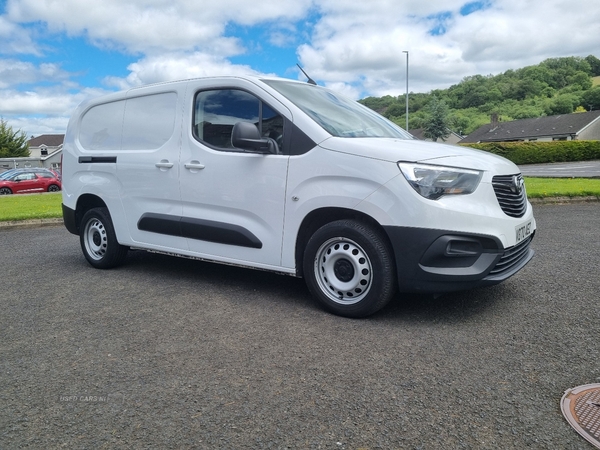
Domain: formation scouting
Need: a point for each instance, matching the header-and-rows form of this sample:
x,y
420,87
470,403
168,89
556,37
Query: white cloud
x,y
177,66
151,26
525,32
354,47
365,40
14,72
15,40
45,110
35,126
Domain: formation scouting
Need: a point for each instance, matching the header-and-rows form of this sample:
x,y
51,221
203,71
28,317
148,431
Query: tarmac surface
x,y
172,353
579,169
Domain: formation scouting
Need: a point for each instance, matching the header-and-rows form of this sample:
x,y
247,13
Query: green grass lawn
x,y
562,187
26,207
47,206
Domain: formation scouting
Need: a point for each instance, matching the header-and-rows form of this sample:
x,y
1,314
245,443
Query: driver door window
x,y
217,111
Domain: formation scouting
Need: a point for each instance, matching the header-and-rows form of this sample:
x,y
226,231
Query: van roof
x,y
254,78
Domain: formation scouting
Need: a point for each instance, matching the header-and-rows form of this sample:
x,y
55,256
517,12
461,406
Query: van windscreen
x,y
338,115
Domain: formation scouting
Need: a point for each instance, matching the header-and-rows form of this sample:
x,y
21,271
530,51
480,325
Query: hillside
x,y
555,86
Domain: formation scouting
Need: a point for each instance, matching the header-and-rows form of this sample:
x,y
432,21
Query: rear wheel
x,y
53,188
5,191
349,268
99,241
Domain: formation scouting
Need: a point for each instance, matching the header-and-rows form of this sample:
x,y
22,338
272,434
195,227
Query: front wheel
x,y
99,241
349,268
5,191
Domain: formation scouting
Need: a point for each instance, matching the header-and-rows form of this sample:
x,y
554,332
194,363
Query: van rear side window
x,y
139,123
101,127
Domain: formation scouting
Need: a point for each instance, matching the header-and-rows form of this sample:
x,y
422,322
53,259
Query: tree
x,y
594,64
437,122
580,80
591,99
13,144
562,104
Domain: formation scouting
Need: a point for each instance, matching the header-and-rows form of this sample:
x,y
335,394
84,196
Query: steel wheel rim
x,y
343,271
95,239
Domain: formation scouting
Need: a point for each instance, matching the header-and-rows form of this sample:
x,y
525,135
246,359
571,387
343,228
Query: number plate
x,y
523,231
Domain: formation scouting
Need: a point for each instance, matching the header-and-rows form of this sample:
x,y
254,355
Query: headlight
x,y
434,181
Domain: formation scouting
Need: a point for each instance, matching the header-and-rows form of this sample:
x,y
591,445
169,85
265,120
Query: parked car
x,y
27,181
6,174
294,178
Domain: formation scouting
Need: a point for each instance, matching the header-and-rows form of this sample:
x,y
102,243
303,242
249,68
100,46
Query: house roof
x,y
561,125
49,140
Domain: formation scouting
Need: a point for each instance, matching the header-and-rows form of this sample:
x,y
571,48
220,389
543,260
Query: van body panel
x,y
322,178
421,151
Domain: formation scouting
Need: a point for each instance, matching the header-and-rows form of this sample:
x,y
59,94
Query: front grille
x,y
510,192
512,257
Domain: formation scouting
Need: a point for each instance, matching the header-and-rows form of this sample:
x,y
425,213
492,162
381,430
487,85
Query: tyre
x,y
99,241
349,268
53,188
5,191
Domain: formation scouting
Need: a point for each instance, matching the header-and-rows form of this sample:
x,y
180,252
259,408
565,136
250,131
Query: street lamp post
x,y
406,51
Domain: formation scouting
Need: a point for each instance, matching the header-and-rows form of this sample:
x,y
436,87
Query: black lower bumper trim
x,y
438,261
69,220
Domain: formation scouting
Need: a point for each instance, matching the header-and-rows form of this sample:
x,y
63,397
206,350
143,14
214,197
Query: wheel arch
x,y
319,217
84,204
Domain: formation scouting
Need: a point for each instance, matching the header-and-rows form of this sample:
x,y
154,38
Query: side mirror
x,y
245,135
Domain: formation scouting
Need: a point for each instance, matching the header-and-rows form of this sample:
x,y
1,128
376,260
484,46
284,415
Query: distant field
x,y
596,81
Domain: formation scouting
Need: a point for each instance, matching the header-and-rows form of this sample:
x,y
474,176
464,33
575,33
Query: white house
x,y
44,151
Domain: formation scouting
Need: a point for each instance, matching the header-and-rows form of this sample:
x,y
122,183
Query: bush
x,y
539,152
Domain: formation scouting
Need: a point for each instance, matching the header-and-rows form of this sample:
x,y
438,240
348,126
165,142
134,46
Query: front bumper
x,y
438,261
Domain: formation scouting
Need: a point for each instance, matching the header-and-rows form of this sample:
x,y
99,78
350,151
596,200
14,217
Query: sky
x,y
56,53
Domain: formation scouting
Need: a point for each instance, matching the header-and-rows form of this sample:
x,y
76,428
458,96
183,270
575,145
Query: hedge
x,y
542,151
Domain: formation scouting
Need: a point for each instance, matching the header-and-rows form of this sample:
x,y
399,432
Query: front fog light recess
x,y
432,181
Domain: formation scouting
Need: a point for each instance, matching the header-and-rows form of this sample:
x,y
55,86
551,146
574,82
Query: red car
x,y
29,181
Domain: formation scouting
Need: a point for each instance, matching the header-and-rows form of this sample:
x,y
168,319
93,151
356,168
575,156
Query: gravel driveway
x,y
172,353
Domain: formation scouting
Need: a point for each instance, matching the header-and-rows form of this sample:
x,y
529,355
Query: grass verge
x,y
27,207
562,187
48,206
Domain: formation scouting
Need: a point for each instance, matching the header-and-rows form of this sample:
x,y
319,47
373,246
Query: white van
x,y
293,178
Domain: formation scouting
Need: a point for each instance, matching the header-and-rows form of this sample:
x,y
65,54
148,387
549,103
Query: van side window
x,y
217,111
101,126
149,121
138,123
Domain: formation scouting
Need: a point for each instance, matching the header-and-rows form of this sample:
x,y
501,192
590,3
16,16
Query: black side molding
x,y
200,229
97,159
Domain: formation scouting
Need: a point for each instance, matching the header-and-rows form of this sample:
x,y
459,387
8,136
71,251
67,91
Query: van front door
x,y
233,200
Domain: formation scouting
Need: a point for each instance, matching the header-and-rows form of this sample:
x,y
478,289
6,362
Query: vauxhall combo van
x,y
293,178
